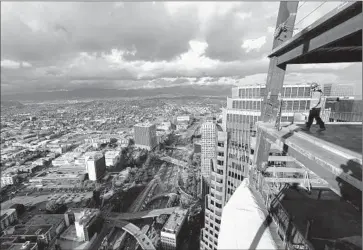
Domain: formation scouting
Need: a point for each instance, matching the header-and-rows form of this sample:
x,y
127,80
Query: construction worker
x,y
315,107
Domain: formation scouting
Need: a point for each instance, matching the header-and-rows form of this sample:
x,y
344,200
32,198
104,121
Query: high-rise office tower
x,y
233,152
215,199
145,136
243,111
208,142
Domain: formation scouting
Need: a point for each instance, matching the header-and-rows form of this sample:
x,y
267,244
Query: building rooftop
x,y
111,153
84,216
175,221
17,246
40,219
6,212
145,124
31,230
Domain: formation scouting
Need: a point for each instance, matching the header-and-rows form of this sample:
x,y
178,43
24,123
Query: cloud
x,y
47,46
254,44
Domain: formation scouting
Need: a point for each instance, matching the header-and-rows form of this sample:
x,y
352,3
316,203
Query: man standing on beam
x,y
315,105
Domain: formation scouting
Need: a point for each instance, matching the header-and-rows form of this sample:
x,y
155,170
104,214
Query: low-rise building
x,y
8,179
57,220
33,233
87,222
172,232
112,158
8,217
96,166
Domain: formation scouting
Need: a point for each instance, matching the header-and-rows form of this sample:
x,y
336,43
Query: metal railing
x,y
293,238
345,117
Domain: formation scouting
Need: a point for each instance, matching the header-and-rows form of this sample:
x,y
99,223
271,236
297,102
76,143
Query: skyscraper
x,y
233,151
215,199
208,142
243,111
145,136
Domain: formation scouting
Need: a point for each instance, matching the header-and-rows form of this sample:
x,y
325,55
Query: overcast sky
x,y
48,46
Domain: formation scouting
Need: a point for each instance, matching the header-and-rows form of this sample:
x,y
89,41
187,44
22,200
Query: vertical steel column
x,y
274,85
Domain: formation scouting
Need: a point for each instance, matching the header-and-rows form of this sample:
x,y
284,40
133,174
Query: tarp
x,y
242,225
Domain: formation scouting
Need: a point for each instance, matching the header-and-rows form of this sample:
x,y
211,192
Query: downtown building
x,y
233,151
145,136
208,147
215,198
242,112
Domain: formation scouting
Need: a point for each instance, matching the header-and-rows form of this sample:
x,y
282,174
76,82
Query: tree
x,y
51,206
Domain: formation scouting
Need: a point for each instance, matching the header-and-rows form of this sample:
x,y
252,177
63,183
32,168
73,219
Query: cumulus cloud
x,y
48,46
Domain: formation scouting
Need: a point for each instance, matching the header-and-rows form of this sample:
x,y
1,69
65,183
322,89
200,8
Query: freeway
x,y
174,161
132,229
141,215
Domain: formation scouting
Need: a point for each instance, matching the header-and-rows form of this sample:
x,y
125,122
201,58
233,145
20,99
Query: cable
x,y
311,12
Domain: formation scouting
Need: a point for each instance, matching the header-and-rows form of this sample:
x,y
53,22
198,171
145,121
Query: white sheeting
x,y
242,218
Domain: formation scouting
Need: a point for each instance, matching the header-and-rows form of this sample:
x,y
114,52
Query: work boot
x,y
321,129
306,129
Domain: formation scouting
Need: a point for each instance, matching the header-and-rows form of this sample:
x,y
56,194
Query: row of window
x,y
295,105
247,120
235,176
288,92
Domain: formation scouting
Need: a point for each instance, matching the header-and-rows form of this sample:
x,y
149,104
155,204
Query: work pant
x,y
315,114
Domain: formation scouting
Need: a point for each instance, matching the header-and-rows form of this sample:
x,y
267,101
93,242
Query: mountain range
x,y
99,93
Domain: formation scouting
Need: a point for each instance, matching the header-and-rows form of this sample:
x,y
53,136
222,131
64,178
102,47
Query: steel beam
x,y
285,170
320,160
295,180
346,29
332,19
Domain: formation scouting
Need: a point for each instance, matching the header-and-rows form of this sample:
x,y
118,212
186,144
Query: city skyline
x,y
55,46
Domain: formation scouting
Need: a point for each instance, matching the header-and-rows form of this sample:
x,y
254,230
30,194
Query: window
x,y
288,92
243,93
307,92
300,92
302,105
296,105
294,92
220,153
289,105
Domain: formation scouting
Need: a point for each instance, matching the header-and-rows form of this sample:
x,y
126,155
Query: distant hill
x,y
8,104
99,93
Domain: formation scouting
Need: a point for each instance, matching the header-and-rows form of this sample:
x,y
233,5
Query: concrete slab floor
x,y
346,136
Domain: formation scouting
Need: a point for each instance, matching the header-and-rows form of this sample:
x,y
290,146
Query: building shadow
x,y
265,225
349,193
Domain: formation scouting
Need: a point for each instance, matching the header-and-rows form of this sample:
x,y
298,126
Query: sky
x,y
65,45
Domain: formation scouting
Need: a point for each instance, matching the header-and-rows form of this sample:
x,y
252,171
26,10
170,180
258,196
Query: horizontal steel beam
x,y
285,170
321,161
341,31
336,16
295,180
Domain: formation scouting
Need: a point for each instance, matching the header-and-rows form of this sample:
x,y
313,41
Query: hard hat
x,y
314,85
